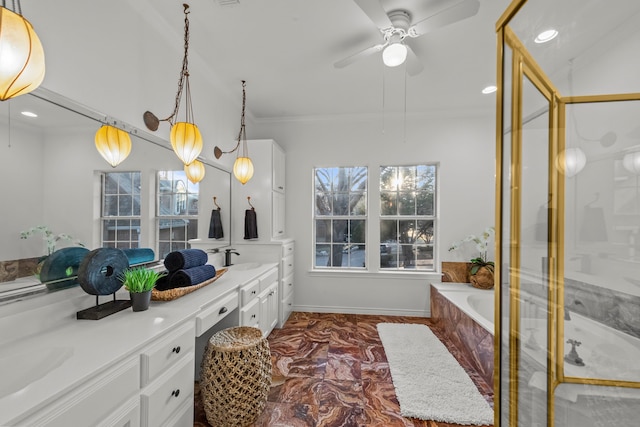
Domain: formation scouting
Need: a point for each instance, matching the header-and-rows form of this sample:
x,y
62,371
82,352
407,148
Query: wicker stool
x,y
235,376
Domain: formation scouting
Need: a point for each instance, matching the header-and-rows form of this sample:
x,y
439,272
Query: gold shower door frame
x,y
523,65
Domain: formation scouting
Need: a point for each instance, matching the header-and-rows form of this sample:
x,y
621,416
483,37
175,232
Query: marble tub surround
x,y
473,342
331,370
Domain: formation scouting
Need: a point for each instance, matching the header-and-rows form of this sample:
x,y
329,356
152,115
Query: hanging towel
x,y
139,255
192,276
215,226
250,224
185,258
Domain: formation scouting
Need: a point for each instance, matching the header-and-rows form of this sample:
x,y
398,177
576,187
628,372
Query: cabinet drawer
x,y
287,286
249,292
94,402
250,315
287,266
168,393
287,249
216,312
159,356
287,307
268,278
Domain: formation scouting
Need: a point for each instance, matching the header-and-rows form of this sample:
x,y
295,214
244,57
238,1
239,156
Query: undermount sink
x,y
245,266
19,370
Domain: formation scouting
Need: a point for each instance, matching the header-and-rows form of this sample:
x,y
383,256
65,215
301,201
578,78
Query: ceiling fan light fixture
x,y
394,54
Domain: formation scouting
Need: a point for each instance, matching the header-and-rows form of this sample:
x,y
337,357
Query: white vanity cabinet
x,y
109,399
282,253
259,302
167,379
267,192
268,302
129,369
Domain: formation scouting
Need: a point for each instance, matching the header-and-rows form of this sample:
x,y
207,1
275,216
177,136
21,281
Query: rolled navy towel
x,y
164,282
185,258
192,276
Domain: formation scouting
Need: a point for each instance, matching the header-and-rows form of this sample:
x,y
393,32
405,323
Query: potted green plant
x,y
481,271
139,281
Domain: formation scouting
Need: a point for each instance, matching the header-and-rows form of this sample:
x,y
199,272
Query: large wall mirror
x,y
50,175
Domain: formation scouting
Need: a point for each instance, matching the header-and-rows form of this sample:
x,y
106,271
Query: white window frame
x,y
397,217
121,244
349,248
191,212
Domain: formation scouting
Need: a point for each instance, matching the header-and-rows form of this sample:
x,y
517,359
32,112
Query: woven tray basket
x,y
171,294
235,377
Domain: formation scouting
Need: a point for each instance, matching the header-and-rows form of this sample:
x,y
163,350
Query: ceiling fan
x,y
396,26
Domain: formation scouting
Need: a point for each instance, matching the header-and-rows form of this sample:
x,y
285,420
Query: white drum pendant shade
x,y
21,56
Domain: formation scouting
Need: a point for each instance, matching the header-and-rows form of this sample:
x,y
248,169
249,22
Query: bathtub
x,y
478,304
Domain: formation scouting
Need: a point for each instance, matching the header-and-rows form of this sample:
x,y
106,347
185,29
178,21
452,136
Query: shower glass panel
x,y
535,207
502,339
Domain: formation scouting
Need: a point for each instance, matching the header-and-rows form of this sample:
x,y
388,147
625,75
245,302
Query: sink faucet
x,y
227,256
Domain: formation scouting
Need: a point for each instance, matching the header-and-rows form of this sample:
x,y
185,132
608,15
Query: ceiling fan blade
x,y
375,12
462,10
357,56
414,65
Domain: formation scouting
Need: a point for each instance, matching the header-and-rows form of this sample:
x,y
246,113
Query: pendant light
x,y
195,171
185,136
113,144
21,53
631,162
243,166
571,161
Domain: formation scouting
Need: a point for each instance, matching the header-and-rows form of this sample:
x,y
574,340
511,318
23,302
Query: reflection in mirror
x,y
52,176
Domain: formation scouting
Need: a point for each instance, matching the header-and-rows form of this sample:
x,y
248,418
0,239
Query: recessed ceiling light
x,y
489,89
29,114
546,36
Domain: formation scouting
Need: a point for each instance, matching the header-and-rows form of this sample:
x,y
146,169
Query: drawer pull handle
x,y
176,350
253,316
175,393
253,292
223,310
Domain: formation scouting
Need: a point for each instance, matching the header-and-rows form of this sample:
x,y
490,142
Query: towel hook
x,y
249,201
214,202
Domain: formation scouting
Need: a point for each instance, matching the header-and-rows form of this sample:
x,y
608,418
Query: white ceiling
x,y
285,50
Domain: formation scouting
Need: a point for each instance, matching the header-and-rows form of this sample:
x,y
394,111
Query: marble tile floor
x,y
330,370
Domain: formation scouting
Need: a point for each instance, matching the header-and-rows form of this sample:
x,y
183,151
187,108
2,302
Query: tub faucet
x,y
567,316
227,256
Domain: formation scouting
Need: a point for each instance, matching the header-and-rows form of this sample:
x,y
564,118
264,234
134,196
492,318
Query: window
x,y
177,211
120,210
340,217
407,217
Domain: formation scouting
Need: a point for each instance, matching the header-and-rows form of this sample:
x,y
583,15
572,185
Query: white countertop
x,y
94,345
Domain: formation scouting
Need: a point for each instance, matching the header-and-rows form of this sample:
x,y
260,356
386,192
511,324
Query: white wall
x,y
465,148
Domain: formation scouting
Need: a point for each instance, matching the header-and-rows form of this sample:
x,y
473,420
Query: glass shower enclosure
x,y
568,214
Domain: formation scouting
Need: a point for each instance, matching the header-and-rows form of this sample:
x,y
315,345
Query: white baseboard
x,y
360,310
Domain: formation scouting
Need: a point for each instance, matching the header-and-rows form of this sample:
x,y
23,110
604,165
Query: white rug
x,y
429,382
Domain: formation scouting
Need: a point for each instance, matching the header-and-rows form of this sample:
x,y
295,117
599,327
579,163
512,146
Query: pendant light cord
x,y
184,76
